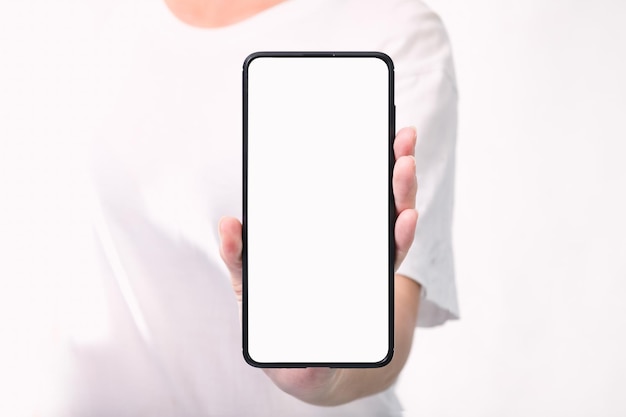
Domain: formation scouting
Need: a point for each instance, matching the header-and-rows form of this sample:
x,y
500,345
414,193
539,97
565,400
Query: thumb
x,y
231,245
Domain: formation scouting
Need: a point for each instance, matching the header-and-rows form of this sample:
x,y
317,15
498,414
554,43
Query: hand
x,y
323,386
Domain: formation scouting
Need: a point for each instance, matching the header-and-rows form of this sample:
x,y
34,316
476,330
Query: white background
x,y
540,235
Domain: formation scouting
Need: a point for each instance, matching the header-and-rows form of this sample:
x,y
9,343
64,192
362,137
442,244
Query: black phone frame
x,y
392,209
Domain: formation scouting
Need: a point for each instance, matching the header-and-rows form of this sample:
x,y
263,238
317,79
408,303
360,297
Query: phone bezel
x,y
392,211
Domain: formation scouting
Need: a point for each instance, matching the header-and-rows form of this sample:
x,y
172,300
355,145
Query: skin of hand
x,y
326,386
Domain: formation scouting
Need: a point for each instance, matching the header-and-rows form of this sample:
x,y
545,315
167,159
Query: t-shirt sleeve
x,y
426,97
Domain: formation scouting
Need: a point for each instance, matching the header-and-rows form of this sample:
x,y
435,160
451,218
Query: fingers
x,y
404,233
231,245
404,183
404,143
404,190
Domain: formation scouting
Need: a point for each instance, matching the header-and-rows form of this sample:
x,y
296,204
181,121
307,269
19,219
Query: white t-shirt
x,y
167,166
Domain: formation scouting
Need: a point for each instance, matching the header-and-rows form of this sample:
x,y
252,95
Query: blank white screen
x,y
317,209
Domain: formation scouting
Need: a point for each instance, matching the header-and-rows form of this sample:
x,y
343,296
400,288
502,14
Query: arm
x,y
325,386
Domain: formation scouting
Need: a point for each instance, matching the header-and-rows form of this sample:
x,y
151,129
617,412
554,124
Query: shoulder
x,y
407,30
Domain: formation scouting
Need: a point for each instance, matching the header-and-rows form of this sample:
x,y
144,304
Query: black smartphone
x,y
318,209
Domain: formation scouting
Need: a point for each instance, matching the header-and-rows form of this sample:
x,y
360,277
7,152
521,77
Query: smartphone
x,y
318,209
